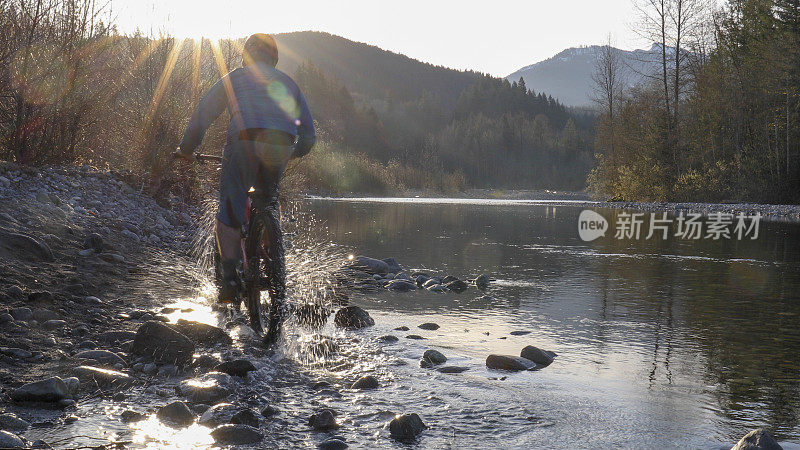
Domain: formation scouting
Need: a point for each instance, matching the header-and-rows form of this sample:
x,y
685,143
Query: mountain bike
x,y
263,265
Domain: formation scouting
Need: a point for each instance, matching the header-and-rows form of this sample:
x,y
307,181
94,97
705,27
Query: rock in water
x,y
388,338
50,390
333,443
103,377
482,282
11,440
452,369
757,439
371,265
508,362
353,317
201,333
393,265
163,344
401,286
428,326
9,421
366,382
324,420
406,427
245,417
434,356
457,286
236,434
218,414
237,367
129,416
207,388
540,357
176,412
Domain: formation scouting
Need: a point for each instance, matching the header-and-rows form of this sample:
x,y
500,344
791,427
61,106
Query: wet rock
x,y
457,286
406,427
102,377
202,333
48,390
162,343
366,382
101,356
757,439
402,328
11,422
40,444
428,326
237,367
452,369
420,279
11,440
353,317
508,362
218,414
482,282
269,411
115,337
26,245
437,288
129,416
393,265
245,417
519,333
430,283
371,265
540,357
324,420
332,444
415,337
236,434
388,338
401,286
177,413
448,279
434,357
207,388
22,314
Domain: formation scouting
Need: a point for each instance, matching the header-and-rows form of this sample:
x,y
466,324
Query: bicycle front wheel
x,y
252,279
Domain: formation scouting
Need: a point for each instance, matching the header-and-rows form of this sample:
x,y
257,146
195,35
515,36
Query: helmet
x,y
260,47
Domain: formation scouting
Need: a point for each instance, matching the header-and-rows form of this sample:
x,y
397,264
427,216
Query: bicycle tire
x,y
252,286
276,273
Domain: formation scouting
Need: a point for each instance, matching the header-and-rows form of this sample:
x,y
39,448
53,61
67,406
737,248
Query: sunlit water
x,y
661,344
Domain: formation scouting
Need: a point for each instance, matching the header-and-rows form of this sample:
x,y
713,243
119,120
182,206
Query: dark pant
x,y
245,165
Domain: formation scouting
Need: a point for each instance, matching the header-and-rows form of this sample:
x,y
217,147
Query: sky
x,y
496,37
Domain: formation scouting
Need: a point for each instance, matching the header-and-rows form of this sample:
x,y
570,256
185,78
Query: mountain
x,y
567,76
369,70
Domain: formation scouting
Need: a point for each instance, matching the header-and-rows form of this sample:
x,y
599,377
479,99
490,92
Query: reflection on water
x,y
667,342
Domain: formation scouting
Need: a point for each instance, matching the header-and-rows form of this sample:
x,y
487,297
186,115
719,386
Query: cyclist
x,y
270,124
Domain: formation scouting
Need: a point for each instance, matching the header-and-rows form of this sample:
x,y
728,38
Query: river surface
x,y
675,343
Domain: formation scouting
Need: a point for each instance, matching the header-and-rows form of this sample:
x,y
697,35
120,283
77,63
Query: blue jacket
x,y
257,96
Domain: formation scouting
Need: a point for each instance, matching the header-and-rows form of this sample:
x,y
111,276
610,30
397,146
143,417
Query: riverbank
x,y
787,213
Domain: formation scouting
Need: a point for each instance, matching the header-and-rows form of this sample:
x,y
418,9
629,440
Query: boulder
x,y
448,279
101,357
237,367
452,369
245,417
324,420
388,339
43,315
102,377
27,245
333,443
457,286
49,390
393,265
757,439
11,440
353,317
366,382
162,343
406,427
207,388
177,413
371,265
428,326
482,282
540,357
401,285
129,416
218,414
508,362
10,421
236,434
434,357
22,314
54,324
93,241
201,333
